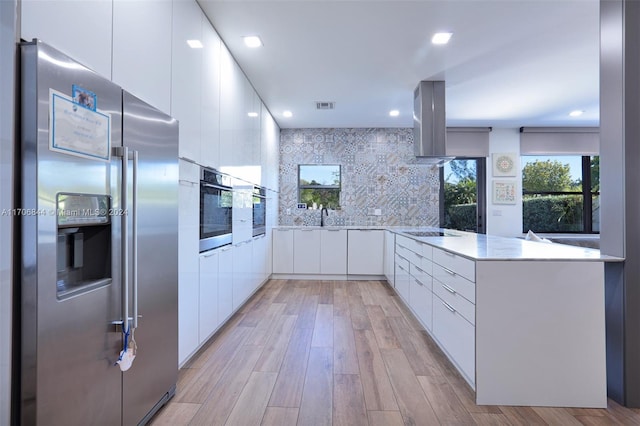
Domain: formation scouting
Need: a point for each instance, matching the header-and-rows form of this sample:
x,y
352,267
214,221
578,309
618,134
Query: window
x,y
561,193
319,184
462,186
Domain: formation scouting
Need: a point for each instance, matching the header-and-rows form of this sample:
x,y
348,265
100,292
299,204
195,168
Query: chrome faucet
x,y
322,212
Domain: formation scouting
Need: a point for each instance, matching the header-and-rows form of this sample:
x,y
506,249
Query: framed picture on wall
x,y
504,191
504,164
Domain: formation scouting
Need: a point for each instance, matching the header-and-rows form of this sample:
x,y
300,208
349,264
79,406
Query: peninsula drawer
x,y
404,252
455,301
420,275
456,282
457,264
409,243
402,262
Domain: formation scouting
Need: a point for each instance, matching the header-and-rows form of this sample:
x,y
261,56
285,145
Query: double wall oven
x,y
259,211
216,209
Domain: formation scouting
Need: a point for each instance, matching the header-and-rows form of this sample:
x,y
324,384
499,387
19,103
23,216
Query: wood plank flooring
x,y
339,353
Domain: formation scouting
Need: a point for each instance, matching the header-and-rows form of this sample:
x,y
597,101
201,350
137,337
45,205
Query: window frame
x,y
481,193
338,187
587,194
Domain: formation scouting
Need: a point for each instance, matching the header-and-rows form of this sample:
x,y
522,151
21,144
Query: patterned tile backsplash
x,y
379,171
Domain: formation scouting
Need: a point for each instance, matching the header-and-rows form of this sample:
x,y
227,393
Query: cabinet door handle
x,y
306,230
333,230
449,271
448,306
449,289
208,254
283,230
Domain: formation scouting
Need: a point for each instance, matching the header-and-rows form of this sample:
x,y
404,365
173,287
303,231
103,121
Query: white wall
x,y
504,219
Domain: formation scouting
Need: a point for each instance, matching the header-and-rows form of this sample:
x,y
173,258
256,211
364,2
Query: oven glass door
x,y
259,212
216,210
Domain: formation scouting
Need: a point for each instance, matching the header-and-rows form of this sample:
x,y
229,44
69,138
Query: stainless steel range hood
x,y
429,122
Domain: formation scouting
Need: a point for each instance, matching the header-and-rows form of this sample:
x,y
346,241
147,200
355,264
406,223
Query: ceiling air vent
x,y
325,105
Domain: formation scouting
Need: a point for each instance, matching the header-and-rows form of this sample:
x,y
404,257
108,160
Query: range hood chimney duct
x,y
429,121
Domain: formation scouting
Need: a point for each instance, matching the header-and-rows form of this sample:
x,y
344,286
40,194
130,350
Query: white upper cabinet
x,y
231,101
186,77
210,97
269,157
142,49
81,29
251,129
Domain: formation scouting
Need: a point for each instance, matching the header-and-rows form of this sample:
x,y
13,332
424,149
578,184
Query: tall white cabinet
x,y
62,25
187,66
188,263
142,53
223,125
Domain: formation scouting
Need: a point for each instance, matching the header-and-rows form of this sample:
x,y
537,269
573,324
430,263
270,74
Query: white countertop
x,y
488,247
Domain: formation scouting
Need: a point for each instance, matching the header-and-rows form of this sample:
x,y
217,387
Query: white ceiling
x,y
510,63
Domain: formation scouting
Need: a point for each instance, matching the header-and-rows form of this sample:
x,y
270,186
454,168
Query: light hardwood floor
x,y
344,353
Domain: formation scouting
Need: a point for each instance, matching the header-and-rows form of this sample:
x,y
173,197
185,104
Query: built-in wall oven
x,y
216,209
259,211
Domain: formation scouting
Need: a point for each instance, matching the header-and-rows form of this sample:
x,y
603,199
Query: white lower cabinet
x,y
242,258
259,257
438,286
306,254
208,295
365,252
333,252
389,256
456,336
225,283
282,251
402,277
420,300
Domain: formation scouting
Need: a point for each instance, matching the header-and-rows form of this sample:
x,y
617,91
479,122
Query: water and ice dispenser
x,y
83,244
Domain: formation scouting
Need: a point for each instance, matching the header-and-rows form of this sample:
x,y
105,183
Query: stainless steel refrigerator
x,y
99,224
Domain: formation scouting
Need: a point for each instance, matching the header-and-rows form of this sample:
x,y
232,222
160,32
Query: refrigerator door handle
x,y
134,246
123,153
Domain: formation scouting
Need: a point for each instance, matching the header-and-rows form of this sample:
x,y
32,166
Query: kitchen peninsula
x,y
522,321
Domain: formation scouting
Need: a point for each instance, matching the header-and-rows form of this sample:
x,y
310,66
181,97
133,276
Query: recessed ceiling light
x,y
252,114
441,38
394,113
195,44
576,113
287,114
252,41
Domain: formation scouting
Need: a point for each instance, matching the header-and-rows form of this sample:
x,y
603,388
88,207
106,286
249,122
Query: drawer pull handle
x,y
449,289
419,269
449,271
449,254
401,268
448,306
